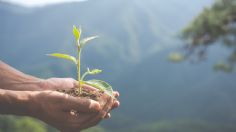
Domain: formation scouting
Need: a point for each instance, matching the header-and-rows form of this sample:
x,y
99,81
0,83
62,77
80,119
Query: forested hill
x,y
129,31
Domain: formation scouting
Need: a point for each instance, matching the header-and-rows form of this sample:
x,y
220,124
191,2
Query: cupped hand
x,y
67,83
68,113
57,109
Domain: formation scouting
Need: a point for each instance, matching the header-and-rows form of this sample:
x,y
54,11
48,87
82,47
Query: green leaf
x,y
94,71
104,86
63,56
76,33
176,57
85,40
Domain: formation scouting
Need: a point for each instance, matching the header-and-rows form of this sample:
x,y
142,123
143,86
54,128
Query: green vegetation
x,y
214,25
25,124
184,126
223,66
101,85
21,124
95,129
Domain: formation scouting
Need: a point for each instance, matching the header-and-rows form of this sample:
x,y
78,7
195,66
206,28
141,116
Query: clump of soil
x,y
86,93
104,99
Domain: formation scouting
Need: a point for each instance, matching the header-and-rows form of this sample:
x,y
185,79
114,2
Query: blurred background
x,y
171,60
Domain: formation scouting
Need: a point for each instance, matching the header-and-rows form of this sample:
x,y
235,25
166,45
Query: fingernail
x,y
118,103
108,116
117,94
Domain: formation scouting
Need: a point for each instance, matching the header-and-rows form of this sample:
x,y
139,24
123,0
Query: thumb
x,y
60,83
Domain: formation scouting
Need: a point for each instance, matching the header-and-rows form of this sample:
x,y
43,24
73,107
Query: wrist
x,y
15,102
25,84
12,79
33,105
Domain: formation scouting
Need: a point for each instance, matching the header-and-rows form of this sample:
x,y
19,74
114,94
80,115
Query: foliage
x,y
101,85
20,124
184,126
223,66
95,129
215,24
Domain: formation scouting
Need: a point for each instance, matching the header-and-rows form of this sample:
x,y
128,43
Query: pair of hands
x,y
22,94
55,108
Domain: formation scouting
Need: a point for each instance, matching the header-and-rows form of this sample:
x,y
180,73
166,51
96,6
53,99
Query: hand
x,y
105,98
22,94
15,80
67,83
56,108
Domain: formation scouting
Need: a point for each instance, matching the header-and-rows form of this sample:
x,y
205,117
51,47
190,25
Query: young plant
x,y
99,84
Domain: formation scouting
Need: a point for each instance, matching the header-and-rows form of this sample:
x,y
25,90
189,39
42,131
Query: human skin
x,y
22,94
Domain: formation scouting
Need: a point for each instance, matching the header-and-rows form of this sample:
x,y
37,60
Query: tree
x,y
214,25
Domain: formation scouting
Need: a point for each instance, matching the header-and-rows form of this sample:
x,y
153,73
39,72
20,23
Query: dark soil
x,y
86,93
97,95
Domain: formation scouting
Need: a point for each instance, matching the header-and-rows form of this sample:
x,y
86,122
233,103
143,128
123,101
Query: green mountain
x,y
130,31
135,38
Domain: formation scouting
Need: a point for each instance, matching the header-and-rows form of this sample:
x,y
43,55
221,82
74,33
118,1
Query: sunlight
x,y
37,3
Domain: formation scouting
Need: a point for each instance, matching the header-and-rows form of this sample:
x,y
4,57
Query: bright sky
x,y
33,3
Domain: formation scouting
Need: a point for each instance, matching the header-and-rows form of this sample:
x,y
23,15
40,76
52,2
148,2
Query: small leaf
x,y
76,33
176,57
101,85
85,40
63,56
94,71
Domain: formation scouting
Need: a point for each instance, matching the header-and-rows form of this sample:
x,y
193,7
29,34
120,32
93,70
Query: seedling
x,y
99,84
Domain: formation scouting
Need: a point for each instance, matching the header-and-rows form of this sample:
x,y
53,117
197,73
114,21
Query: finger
x,y
116,94
81,105
90,123
60,83
108,115
103,112
89,120
85,86
107,107
66,83
81,120
94,120
101,115
116,104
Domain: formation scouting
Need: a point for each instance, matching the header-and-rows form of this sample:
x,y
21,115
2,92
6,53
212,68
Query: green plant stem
x,y
84,75
78,69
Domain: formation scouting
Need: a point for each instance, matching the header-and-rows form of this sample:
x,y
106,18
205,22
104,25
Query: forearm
x,y
15,102
12,79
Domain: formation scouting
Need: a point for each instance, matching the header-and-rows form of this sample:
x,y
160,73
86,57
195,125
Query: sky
x,y
36,3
